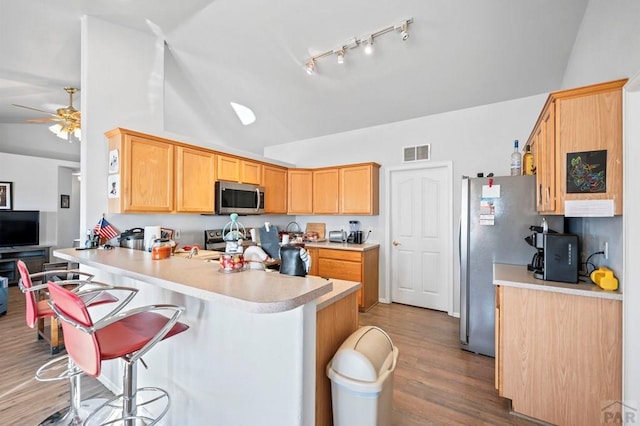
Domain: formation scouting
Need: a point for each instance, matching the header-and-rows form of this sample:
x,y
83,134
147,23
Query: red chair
x,y
37,302
127,335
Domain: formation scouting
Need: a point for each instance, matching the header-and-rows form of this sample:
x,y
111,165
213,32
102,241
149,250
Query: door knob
x,y
395,243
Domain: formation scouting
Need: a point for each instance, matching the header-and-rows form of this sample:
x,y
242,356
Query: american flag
x,y
105,230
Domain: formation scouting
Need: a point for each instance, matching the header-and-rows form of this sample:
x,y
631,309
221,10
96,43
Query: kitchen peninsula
x,y
249,355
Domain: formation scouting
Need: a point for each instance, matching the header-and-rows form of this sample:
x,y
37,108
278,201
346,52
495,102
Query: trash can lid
x,y
366,354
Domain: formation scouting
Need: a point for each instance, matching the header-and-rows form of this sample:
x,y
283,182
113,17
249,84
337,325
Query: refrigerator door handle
x,y
463,244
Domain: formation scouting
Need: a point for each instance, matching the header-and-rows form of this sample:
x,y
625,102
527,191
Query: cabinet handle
x,y
540,194
395,243
548,195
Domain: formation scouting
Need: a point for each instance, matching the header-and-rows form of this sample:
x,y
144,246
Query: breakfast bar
x,y
249,355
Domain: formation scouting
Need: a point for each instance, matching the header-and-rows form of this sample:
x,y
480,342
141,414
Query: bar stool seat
x,y
127,335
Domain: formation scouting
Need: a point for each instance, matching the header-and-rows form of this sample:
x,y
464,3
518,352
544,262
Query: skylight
x,y
245,114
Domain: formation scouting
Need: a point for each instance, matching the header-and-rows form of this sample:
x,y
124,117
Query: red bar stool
x,y
127,335
62,368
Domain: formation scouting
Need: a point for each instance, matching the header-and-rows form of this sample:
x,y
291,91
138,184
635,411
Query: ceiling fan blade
x,y
42,120
35,109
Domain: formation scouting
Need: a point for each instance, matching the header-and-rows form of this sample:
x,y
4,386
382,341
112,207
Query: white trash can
x,y
361,374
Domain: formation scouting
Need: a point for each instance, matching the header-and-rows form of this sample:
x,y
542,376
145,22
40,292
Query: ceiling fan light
x,y
63,135
56,128
77,133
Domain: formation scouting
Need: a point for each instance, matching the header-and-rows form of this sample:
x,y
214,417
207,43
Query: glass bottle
x,y
516,160
528,167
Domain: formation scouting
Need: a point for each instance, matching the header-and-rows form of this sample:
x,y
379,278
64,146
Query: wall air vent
x,y
417,153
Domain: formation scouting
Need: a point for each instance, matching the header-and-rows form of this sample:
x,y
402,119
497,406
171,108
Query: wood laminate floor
x,y
436,383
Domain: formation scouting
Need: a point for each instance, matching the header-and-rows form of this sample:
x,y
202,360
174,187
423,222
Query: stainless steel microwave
x,y
240,198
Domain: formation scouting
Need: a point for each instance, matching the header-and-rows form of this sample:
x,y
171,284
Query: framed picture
x,y
64,201
587,172
6,196
166,233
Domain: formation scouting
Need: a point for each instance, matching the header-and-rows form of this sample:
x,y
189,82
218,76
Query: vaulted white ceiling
x,y
460,53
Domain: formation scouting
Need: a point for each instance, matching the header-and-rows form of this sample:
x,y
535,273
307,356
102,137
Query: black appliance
x,y
556,257
19,228
240,198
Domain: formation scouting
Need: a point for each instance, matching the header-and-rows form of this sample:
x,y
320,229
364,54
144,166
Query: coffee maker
x,y
356,236
556,256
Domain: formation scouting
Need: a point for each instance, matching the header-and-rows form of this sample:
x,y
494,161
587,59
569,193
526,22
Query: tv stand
x,y
33,256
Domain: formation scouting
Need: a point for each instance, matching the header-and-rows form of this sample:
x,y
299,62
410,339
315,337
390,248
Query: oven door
x,y
239,198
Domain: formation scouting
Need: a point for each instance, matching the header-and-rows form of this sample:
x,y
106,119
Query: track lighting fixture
x,y
368,46
403,28
311,66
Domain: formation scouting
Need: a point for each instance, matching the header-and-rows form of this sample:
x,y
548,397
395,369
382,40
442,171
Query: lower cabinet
x,y
334,324
559,356
359,266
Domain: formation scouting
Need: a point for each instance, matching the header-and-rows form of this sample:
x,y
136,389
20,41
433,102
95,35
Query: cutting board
x,y
319,228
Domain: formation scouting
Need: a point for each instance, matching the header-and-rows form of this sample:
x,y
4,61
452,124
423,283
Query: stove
x,y
213,240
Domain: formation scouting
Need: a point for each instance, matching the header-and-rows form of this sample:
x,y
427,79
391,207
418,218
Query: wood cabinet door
x,y
359,189
325,191
274,180
250,172
195,180
228,168
300,182
148,175
590,123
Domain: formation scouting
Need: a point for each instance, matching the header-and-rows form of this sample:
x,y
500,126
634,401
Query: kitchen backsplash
x,y
594,232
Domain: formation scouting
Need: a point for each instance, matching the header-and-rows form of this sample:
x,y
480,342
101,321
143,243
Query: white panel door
x,y
421,237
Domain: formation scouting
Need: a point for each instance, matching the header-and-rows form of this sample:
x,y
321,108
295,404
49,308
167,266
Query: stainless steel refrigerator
x,y
495,218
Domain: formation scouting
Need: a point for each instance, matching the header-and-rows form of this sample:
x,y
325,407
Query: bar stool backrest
x,y
82,346
31,302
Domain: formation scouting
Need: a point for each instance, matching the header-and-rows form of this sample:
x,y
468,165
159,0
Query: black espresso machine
x,y
556,257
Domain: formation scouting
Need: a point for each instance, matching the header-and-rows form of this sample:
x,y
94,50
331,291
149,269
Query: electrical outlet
x,y
177,234
606,250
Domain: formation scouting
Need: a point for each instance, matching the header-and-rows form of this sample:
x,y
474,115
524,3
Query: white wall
x,y
36,140
35,187
476,140
607,46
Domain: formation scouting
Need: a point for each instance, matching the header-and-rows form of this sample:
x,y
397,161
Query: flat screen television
x,y
19,228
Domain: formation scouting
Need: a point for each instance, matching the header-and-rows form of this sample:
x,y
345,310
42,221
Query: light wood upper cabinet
x,y
360,189
326,191
300,191
274,181
146,173
195,180
250,172
542,142
573,123
228,168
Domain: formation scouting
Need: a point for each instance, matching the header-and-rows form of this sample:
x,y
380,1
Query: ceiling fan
x,y
67,119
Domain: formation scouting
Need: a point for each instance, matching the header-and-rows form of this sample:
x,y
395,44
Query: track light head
x,y
311,66
368,46
340,54
404,30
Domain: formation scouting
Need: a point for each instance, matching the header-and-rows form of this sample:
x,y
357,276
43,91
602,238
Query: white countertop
x,y
251,290
341,289
519,276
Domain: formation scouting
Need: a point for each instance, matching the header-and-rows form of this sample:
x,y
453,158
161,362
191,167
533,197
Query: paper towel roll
x,y
150,233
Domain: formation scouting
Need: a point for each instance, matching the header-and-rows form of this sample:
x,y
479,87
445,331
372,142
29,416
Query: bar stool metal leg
x,y
62,368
